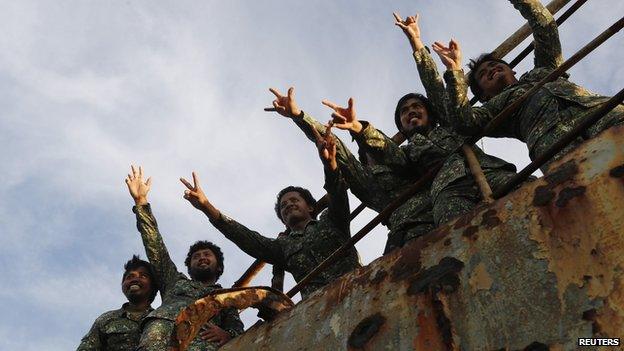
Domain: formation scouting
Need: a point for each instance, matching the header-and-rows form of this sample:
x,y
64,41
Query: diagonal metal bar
x,y
587,122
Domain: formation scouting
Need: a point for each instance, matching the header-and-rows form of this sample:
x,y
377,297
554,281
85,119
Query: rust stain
x,y
480,279
563,173
442,277
617,172
567,194
428,336
365,331
609,319
470,231
489,219
542,196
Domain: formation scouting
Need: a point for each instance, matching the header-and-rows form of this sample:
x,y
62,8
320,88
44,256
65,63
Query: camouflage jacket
x,y
300,252
375,185
115,330
550,112
176,290
423,152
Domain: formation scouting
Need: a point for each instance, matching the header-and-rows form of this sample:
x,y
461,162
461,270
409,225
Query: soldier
x,y
204,263
307,241
421,119
542,119
119,330
376,185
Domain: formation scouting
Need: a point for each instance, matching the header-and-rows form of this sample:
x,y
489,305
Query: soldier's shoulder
x,y
108,316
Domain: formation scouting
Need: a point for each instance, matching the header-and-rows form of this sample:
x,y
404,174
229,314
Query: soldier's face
x,y
137,285
293,207
493,77
203,263
414,116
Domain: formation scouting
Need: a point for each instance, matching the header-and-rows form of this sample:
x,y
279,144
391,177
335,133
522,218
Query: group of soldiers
x,y
435,125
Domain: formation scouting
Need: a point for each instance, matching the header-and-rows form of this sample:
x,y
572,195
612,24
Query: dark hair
x,y
135,263
305,194
432,114
473,65
363,156
203,245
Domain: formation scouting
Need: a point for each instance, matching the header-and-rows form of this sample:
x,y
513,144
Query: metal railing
x,y
474,166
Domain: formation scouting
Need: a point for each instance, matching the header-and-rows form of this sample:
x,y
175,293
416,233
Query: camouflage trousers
x,y
573,116
158,335
463,195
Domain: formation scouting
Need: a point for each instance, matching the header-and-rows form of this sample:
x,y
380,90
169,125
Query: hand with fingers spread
x,y
137,187
195,195
213,333
344,118
327,147
285,105
411,29
450,55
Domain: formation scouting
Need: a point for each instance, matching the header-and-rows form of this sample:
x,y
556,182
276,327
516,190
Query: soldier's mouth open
x,y
134,287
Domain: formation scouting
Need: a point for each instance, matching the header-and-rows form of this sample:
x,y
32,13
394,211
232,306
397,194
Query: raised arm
x,y
251,242
545,32
155,248
427,69
383,149
462,117
338,206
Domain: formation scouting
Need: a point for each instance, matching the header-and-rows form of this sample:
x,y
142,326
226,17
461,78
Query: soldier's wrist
x,y
140,201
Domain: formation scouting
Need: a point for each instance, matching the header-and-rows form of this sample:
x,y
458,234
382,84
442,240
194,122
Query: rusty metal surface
x,y
540,267
269,301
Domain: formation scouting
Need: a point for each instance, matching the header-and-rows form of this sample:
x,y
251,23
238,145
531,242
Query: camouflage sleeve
x,y
166,271
338,208
251,242
231,322
357,177
432,81
464,118
383,149
545,32
92,341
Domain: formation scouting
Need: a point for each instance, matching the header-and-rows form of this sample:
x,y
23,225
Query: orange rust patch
x,y
429,336
480,279
610,317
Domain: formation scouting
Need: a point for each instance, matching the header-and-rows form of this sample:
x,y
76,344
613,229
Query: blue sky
x,y
89,88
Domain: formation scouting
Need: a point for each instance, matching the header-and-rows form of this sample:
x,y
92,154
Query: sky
x,y
91,87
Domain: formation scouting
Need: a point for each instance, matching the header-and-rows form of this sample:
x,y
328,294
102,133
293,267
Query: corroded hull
x,y
539,267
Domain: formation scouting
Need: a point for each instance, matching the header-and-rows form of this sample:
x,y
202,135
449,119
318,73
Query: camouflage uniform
x,y
176,291
301,251
453,191
376,186
550,113
115,330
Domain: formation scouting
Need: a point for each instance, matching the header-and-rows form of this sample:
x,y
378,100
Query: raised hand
x,y
285,105
327,147
344,118
450,55
213,333
137,187
195,195
411,29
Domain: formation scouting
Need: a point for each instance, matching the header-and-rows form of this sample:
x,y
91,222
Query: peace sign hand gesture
x,y
344,118
285,105
450,55
195,195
